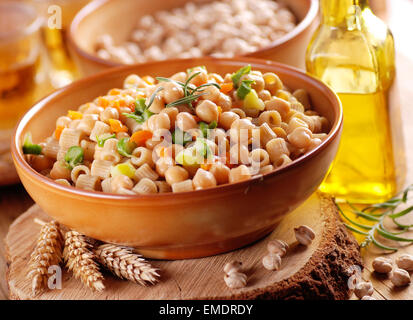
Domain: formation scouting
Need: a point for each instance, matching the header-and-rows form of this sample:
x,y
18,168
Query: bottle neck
x,y
339,11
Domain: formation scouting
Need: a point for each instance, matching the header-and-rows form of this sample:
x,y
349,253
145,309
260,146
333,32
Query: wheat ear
x,y
48,252
80,259
127,265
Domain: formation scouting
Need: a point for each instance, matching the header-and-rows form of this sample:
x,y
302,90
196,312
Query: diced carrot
x,y
102,102
114,92
206,166
74,115
117,126
140,137
149,80
58,132
227,87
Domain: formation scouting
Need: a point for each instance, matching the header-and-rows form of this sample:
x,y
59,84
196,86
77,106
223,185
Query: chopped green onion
x,y
126,147
29,147
102,139
138,119
203,126
244,89
236,77
125,169
140,105
180,137
162,79
202,148
213,125
74,156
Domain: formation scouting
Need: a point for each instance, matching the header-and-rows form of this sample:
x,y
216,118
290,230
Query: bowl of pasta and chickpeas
x,y
181,158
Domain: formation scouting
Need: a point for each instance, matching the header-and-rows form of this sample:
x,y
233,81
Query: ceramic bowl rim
x,y
90,7
22,164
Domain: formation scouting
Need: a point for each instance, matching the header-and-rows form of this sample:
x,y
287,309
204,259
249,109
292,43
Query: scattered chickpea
x,y
405,262
278,247
235,280
368,298
304,235
363,289
382,265
233,266
400,277
272,261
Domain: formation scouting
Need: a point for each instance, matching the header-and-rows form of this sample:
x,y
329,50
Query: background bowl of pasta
x,y
282,38
181,224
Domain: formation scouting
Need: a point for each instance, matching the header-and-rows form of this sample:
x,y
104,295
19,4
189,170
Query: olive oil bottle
x,y
353,52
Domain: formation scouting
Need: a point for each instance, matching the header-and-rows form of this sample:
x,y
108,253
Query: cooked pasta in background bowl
x,y
183,158
277,30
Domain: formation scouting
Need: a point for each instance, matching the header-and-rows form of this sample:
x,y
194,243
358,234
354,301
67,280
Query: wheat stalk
x,y
48,252
127,265
80,259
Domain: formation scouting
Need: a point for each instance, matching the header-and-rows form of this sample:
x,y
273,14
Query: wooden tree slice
x,y
317,272
8,174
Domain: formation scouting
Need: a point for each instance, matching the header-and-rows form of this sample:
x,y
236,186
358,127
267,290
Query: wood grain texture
x,y
317,272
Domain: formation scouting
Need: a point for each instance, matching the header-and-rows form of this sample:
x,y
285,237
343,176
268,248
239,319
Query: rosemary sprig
x,y
190,91
142,112
377,213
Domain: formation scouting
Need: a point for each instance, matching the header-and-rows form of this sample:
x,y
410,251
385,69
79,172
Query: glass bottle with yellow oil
x,y
353,52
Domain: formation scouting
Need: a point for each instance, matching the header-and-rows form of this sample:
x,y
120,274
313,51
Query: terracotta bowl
x,y
180,225
87,27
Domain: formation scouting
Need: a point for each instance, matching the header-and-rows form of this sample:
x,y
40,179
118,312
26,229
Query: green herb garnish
x,y
74,156
244,88
102,139
125,147
29,147
142,113
236,77
204,127
185,100
377,213
181,137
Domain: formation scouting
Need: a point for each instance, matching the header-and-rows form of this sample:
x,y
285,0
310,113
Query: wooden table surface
x,y
14,200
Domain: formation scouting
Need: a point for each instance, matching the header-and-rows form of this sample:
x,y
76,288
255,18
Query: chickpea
x,y
176,174
201,78
227,118
304,235
207,111
220,172
272,261
224,102
172,92
204,179
278,247
185,121
158,104
239,174
180,76
212,93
